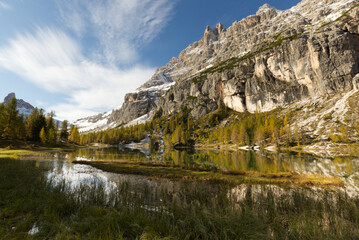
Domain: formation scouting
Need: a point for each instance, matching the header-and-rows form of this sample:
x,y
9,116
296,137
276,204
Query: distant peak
x,y
208,29
219,28
209,35
266,7
8,98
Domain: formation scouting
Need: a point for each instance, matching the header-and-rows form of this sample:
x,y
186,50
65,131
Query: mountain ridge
x,y
234,65
22,106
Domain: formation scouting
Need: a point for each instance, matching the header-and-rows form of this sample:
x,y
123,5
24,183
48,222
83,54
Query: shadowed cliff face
x,y
265,61
309,66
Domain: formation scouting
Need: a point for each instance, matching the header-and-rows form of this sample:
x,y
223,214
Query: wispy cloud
x,y
54,61
4,5
121,26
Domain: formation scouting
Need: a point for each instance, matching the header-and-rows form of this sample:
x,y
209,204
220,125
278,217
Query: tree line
x,y
117,135
37,127
182,130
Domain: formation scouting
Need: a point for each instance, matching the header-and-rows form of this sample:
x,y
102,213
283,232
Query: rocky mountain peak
x,y
208,30
266,7
267,11
219,29
8,98
261,62
209,35
23,107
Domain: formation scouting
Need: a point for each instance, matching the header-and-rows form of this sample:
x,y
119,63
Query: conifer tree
x,y
10,119
2,118
51,136
20,127
34,123
51,128
235,135
43,136
74,135
64,132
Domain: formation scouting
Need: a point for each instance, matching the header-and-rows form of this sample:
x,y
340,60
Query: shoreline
x,y
178,173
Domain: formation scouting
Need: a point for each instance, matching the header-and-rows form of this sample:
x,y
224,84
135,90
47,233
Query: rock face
x,y
262,62
137,106
22,106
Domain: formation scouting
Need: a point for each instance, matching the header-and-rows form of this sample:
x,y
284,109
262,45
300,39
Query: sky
x,y
80,57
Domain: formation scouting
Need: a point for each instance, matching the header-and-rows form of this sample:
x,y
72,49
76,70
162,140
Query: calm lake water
x,y
203,207
62,168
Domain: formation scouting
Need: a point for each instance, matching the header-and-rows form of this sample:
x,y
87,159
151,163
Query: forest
x,y
221,127
38,127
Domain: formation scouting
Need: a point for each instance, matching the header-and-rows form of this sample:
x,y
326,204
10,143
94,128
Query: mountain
x,y
297,58
22,106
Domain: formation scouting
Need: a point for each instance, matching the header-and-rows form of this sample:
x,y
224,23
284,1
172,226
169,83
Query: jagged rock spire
x,y
267,11
219,29
209,35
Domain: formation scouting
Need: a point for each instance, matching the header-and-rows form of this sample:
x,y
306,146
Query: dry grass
x,y
215,176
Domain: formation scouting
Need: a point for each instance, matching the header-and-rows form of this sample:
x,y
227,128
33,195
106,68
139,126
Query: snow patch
x,y
141,120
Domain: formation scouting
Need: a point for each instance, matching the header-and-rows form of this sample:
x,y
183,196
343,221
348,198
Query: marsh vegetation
x,y
57,199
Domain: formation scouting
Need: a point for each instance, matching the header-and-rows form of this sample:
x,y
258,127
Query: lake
x,y
208,210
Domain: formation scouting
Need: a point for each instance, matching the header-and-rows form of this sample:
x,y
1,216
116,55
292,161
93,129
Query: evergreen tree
x,y
51,136
64,132
235,135
34,123
20,127
2,118
43,136
51,128
10,119
177,136
74,135
243,137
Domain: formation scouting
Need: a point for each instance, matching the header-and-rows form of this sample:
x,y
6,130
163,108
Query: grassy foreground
x,y
28,200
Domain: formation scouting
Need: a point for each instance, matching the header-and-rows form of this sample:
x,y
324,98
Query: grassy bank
x,y
192,211
18,149
215,176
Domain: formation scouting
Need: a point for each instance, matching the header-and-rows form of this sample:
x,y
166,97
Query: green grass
x,y
188,211
19,149
326,24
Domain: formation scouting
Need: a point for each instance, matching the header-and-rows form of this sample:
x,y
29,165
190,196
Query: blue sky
x,y
80,57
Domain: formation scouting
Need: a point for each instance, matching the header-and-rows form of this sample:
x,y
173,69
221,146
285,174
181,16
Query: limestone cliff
x,y
22,106
265,61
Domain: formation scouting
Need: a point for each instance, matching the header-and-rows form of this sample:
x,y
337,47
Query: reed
x,y
191,210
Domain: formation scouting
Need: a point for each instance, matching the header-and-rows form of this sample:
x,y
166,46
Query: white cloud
x,y
54,61
4,5
121,26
